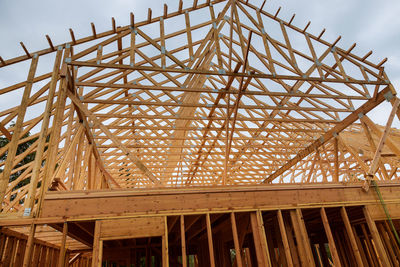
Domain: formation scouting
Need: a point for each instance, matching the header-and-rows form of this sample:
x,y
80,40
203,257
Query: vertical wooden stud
x,y
328,232
183,242
336,154
285,242
350,234
97,246
383,257
210,240
236,241
29,246
29,201
61,256
165,253
257,239
13,145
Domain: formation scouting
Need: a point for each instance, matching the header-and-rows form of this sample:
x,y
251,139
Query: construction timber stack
x,y
217,134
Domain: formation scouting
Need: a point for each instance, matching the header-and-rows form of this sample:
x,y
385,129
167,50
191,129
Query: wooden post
x,y
350,234
261,250
285,242
370,248
56,132
374,164
29,246
336,153
165,256
97,246
210,241
383,257
263,238
61,256
303,241
236,241
13,145
328,232
387,243
183,241
29,201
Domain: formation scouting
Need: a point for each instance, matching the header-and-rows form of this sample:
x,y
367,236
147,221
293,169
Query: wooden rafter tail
x,y
262,5
165,11
351,48
336,41
306,27
113,25
2,61
132,20
180,6
291,19
25,50
277,12
322,33
149,14
382,62
71,32
93,30
366,56
50,42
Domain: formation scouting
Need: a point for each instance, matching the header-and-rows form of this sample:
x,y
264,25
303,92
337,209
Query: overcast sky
x,y
373,25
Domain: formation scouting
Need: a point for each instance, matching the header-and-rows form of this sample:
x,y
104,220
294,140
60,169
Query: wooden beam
x,y
285,242
378,152
29,246
97,246
165,249
328,232
61,256
383,257
13,145
6,133
29,201
350,234
126,151
217,73
364,109
210,241
238,252
183,241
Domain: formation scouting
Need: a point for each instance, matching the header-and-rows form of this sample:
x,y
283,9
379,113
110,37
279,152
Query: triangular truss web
x,y
217,93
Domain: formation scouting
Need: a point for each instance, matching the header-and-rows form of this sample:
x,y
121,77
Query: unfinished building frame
x,y
218,134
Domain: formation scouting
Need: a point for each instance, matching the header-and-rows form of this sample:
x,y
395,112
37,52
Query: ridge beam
x,y
354,116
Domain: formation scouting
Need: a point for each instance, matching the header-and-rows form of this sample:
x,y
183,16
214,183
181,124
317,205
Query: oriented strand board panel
x,y
132,228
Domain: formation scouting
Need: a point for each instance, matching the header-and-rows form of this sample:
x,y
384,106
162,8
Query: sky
x,y
373,25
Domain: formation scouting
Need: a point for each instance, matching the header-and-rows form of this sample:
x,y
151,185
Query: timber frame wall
x,y
210,130
288,225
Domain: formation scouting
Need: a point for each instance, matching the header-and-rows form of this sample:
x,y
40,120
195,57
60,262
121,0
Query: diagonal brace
x,y
365,108
110,135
